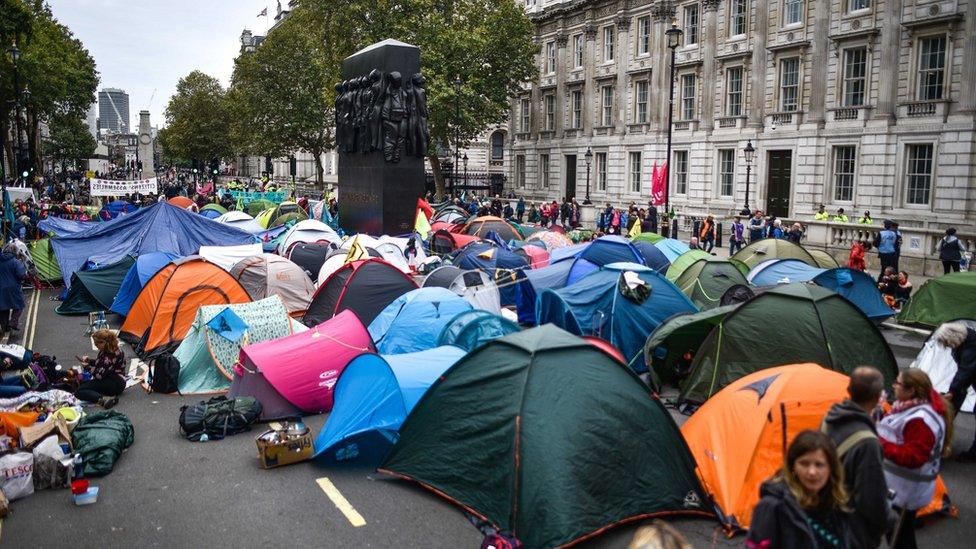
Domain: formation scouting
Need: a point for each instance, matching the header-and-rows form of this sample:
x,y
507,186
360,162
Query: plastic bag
x,y
16,475
51,465
936,360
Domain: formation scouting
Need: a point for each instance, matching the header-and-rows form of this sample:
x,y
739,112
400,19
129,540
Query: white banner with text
x,y
108,187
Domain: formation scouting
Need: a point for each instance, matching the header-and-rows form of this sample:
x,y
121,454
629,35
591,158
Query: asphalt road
x,y
168,492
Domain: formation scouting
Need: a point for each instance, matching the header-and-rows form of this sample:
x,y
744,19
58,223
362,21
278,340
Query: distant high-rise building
x,y
113,110
91,119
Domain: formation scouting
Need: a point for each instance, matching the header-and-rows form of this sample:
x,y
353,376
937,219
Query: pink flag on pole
x,y
657,184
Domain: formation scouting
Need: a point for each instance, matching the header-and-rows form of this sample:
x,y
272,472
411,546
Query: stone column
x,y
818,66
708,38
888,75
621,57
589,79
561,69
967,95
760,59
536,112
663,11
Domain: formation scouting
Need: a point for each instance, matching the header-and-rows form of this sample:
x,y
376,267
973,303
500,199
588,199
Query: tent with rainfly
x,y
297,374
599,306
500,435
365,287
207,354
773,248
308,230
685,260
706,281
472,329
413,321
145,266
680,334
95,289
788,324
474,286
44,260
372,398
942,299
571,263
507,269
267,275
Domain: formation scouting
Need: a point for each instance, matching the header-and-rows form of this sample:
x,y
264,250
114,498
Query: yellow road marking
x,y
340,502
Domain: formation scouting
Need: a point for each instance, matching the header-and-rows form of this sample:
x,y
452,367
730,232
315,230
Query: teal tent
x,y
94,290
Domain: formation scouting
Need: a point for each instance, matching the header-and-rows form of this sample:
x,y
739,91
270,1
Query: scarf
x,y
934,400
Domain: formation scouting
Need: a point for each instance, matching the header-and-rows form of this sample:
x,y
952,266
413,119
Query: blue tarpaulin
x,y
414,320
161,227
373,396
117,208
64,227
145,267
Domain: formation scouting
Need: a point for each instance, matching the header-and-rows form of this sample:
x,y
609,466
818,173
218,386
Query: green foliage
x,y
197,119
69,139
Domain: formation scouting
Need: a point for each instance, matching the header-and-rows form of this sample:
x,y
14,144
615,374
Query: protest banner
x,y
108,187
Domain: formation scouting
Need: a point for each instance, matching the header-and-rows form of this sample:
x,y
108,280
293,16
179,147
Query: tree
x,y
488,45
197,120
69,141
282,95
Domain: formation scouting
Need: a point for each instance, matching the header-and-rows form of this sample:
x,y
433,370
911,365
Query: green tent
x,y
207,358
942,299
257,206
678,335
686,260
544,435
773,248
45,261
215,207
788,324
707,280
650,238
94,290
743,268
823,259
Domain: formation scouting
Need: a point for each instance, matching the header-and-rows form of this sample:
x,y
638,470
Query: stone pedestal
x,y
379,197
146,147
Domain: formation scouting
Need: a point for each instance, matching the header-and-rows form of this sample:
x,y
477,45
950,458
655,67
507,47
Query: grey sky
x,y
142,45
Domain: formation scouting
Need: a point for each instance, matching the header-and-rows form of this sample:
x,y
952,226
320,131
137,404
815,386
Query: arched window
x,y
498,146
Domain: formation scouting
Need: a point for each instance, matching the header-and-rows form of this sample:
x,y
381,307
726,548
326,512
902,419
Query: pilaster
x,y
760,61
818,65
890,51
708,38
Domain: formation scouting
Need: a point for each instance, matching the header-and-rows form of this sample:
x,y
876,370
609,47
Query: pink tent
x,y
304,367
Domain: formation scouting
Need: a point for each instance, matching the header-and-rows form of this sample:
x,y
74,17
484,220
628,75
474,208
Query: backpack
x,y
164,376
218,417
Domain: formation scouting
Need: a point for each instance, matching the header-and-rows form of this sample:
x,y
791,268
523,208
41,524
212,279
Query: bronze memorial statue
x,y
382,113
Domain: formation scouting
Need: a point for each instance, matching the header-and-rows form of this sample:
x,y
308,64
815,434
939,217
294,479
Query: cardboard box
x,y
30,436
276,448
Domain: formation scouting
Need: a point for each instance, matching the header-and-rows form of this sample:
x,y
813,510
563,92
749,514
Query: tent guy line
x,y
341,502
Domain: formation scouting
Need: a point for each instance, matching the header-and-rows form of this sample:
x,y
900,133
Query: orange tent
x,y
168,303
183,202
739,436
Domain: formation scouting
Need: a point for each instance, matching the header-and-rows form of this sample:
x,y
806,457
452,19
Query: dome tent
x,y
240,220
310,256
571,263
942,299
706,281
823,259
413,321
773,248
499,433
472,329
507,269
145,267
480,226
94,289
308,230
212,211
365,287
812,324
474,286
674,337
684,261
266,275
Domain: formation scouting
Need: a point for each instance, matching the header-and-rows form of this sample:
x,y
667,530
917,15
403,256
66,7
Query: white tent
x,y
308,230
240,220
228,256
390,249
476,287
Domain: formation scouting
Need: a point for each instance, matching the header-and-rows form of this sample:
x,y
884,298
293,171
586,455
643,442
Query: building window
x,y
606,95
550,57
520,170
577,118
855,70
643,35
737,17
687,96
635,172
550,110
733,87
524,116
919,174
857,5
844,165
789,84
601,171
578,51
792,11
691,24
497,146
931,67
608,39
640,102
680,172
544,170
726,171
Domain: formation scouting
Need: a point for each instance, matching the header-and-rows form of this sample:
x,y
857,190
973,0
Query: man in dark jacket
x,y
962,340
12,273
850,425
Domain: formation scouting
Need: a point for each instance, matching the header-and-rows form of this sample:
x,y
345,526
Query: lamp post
x,y
589,159
674,39
465,161
457,126
19,157
750,153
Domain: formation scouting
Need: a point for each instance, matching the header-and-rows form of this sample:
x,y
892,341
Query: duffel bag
x,y
218,417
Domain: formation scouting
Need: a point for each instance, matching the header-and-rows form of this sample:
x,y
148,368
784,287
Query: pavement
x,y
168,492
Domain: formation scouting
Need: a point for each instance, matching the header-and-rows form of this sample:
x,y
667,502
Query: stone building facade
x,y
861,104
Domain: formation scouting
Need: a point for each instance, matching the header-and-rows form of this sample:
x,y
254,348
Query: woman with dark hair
x,y
107,371
950,251
913,435
804,506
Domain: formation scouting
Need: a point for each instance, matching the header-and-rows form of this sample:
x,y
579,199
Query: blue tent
x,y
145,267
64,227
653,256
596,306
507,268
116,208
413,321
161,227
672,248
571,263
855,286
372,397
472,329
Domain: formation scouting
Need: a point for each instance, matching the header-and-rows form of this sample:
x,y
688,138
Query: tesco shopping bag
x,y
16,474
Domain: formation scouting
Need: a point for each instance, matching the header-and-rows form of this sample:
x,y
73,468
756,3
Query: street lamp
x,y
750,153
465,160
589,159
457,125
674,39
19,157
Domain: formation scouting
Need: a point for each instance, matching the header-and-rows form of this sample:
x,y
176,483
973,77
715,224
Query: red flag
x,y
657,184
423,205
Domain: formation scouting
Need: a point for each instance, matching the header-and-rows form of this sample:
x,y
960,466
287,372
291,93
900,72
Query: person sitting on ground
x,y
888,286
107,371
903,291
850,425
913,435
865,219
693,244
804,505
962,340
841,217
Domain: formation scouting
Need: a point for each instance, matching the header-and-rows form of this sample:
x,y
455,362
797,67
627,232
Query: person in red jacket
x,y
856,259
913,435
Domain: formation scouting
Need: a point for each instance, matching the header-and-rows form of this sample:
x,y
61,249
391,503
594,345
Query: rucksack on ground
x,y
164,376
218,417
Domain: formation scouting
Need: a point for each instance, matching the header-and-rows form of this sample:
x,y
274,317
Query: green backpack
x,y
218,417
